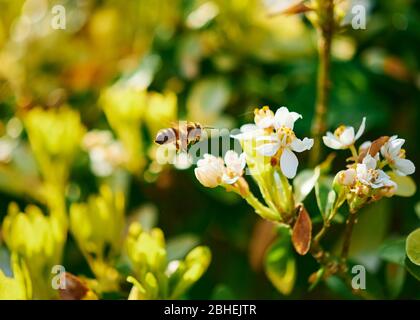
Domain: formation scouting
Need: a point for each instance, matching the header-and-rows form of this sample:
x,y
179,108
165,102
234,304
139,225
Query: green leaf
x,y
395,277
222,292
393,251
325,196
413,246
304,183
413,269
369,233
338,286
417,209
406,185
280,264
316,278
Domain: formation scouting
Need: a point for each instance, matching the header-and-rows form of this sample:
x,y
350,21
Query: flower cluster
x,y
268,147
276,138
365,179
213,171
268,154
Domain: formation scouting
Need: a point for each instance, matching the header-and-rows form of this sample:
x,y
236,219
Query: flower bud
x,y
209,171
346,177
263,117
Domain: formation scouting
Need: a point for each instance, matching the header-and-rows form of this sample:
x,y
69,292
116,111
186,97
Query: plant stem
x,y
263,211
354,152
318,252
351,221
325,31
288,194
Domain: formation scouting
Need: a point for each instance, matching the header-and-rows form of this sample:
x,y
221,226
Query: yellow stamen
x,y
338,132
286,132
402,154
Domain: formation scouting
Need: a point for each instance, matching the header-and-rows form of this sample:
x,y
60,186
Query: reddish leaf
x,y
302,232
374,148
75,288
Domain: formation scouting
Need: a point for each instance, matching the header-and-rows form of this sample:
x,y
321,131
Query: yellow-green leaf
x,y
406,185
280,264
412,246
304,183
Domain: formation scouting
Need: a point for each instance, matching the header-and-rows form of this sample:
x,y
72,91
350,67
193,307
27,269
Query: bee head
x,y
164,136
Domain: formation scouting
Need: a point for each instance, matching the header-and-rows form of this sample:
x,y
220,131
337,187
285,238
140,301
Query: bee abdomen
x,y
165,136
194,132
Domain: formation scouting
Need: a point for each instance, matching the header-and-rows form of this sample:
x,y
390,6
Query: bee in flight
x,y
182,134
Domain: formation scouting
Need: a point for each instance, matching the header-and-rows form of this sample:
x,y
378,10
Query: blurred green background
x,y
222,59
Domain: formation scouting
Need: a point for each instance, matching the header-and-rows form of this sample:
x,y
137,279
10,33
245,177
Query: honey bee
x,y
182,135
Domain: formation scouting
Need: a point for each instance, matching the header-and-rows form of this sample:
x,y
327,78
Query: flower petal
x,y
347,177
288,163
270,138
302,145
268,149
404,167
370,162
208,177
361,129
248,132
394,147
265,122
242,160
285,118
229,180
365,145
231,158
331,141
347,137
384,180
362,173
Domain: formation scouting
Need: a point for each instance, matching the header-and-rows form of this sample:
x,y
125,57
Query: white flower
x,y
235,165
248,131
264,117
368,175
395,156
347,177
210,171
365,146
343,136
284,142
284,118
